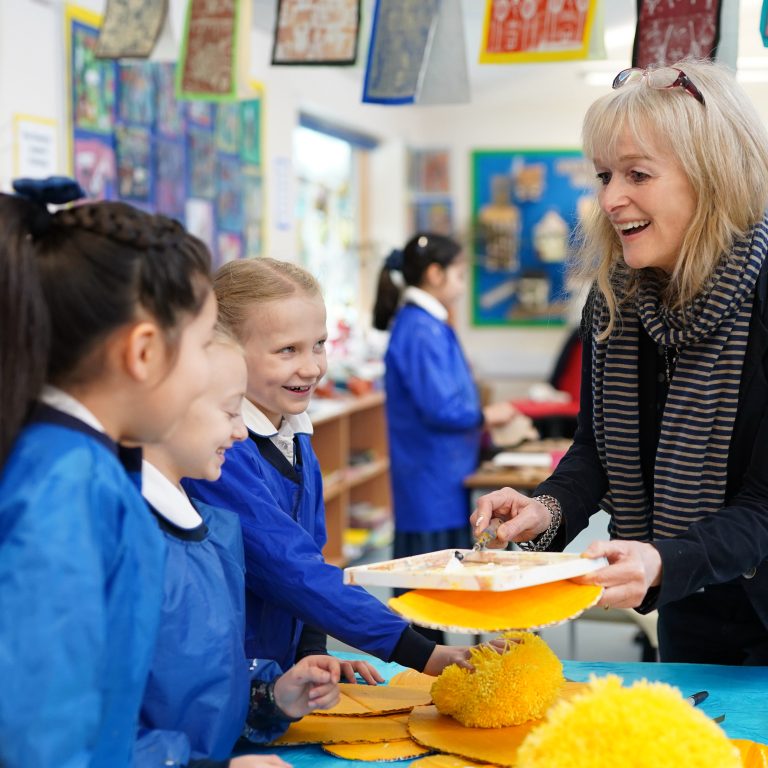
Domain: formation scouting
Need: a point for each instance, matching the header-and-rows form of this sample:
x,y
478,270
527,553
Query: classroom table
x,y
488,476
740,693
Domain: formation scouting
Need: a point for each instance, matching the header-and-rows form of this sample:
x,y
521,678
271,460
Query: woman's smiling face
x,y
649,200
285,354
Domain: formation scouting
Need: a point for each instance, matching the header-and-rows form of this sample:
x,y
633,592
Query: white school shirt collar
x,y
169,501
426,301
61,401
259,424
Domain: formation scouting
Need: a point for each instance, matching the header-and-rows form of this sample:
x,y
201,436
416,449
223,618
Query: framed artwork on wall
x,y
526,205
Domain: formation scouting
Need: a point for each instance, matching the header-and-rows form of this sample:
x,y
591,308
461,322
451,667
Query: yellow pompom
x,y
505,688
647,724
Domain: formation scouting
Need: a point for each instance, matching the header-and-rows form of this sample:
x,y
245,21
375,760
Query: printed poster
x,y
93,81
171,193
516,31
134,163
94,166
137,93
526,205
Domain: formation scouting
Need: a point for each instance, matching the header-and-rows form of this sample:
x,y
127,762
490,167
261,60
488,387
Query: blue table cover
x,y
740,693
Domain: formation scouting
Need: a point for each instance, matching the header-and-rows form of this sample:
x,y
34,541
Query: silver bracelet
x,y
542,542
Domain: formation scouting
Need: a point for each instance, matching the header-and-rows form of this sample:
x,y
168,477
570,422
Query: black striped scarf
x,y
692,457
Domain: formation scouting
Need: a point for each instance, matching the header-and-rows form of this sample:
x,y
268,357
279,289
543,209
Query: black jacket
x,y
730,544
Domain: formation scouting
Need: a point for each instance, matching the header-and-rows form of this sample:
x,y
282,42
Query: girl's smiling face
x,y
284,344
649,200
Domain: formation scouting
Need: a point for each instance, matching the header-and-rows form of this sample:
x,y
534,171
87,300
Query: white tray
x,y
492,570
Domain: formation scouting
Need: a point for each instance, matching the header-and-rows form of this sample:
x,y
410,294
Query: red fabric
x,y
671,30
570,376
538,410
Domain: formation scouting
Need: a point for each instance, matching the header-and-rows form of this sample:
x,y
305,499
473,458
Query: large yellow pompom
x,y
647,724
505,688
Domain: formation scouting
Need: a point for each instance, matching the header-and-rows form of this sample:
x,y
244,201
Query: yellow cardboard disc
x,y
382,752
324,729
753,755
476,612
448,761
410,678
497,746
368,700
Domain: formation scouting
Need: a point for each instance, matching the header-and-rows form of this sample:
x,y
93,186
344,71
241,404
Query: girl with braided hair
x,y
107,313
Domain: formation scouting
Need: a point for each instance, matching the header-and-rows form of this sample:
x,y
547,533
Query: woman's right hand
x,y
522,518
258,761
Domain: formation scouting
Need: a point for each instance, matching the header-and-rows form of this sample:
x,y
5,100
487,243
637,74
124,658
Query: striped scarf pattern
x,y
690,472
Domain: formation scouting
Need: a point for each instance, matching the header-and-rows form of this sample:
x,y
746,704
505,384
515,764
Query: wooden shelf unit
x,y
345,428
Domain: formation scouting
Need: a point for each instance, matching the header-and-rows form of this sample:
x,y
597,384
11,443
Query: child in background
x,y
112,309
274,484
434,418
202,692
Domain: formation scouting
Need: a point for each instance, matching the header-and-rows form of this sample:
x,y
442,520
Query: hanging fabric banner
x,y
316,32
445,79
130,28
416,54
536,30
213,61
668,32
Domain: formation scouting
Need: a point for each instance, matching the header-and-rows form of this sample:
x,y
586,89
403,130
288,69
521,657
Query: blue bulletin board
x,y
525,208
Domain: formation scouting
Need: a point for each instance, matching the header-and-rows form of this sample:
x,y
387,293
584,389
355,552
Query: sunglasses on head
x,y
665,77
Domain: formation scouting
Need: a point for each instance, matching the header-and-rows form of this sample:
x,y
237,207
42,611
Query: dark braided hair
x,y
69,279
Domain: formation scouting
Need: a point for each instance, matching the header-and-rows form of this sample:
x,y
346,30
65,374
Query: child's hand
x,y
363,668
258,761
312,683
445,655
497,414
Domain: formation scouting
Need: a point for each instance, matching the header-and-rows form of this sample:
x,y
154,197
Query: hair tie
x,y
394,262
55,190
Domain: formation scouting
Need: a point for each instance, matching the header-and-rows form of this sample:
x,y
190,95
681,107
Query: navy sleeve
x,y
313,642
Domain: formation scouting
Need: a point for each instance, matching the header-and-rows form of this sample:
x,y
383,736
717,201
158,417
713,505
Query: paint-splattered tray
x,y
489,570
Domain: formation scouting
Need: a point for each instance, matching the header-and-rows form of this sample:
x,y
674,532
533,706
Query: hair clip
x,y
55,190
423,241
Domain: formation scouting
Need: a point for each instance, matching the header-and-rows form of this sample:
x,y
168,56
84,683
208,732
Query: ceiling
x,y
489,82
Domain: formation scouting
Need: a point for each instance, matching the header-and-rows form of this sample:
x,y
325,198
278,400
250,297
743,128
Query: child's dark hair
x,y
70,278
423,249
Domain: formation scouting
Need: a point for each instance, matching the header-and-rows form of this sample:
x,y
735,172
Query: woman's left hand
x,y
363,668
633,568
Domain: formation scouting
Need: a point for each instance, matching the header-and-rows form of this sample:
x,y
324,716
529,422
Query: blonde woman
x,y
672,439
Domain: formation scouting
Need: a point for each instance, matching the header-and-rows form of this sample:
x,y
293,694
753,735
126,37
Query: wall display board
x,y
525,207
133,140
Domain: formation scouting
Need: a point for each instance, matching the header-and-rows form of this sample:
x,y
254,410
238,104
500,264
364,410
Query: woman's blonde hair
x,y
239,285
722,148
